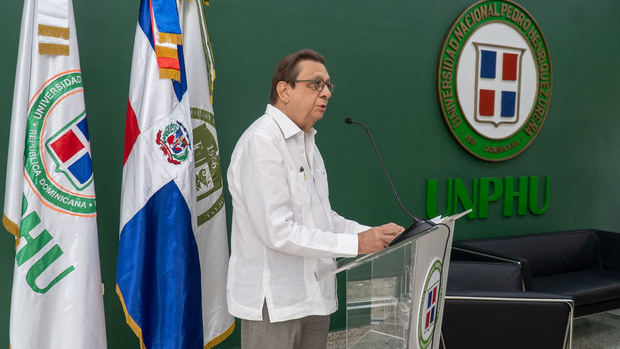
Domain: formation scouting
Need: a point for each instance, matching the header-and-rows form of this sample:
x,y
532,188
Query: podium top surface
x,y
348,263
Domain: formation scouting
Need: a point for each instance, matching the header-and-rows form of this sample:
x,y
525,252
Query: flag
x,y
173,248
49,202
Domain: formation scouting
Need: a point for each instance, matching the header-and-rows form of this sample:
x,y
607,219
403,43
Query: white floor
x,y
599,331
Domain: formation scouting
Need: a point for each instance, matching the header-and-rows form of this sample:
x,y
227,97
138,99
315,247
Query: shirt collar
x,y
287,126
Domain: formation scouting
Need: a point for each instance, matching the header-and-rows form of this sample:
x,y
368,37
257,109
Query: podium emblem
x,y
494,79
429,304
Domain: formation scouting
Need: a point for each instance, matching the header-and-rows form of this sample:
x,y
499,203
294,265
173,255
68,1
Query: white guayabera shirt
x,y
283,228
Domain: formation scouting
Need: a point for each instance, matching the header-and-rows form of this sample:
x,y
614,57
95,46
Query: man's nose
x,y
326,93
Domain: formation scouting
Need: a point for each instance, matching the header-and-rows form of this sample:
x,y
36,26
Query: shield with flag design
x,y
498,83
431,309
71,154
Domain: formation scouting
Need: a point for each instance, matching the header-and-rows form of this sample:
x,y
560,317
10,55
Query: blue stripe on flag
x,y
158,272
144,21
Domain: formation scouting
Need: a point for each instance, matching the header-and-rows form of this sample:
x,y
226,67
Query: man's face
x,y
307,105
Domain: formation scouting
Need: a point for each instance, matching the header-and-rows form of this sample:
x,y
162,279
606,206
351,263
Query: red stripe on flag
x,y
169,63
67,146
487,102
132,130
428,320
509,70
434,295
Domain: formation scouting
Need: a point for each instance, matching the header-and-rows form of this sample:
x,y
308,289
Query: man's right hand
x,y
377,238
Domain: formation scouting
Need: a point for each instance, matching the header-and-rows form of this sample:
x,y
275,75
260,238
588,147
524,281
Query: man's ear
x,y
283,89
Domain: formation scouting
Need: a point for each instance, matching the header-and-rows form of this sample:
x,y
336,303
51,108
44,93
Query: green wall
x,y
383,57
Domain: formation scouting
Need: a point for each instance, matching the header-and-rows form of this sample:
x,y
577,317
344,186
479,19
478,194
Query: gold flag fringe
x,y
12,228
163,51
211,93
219,339
171,38
53,49
130,322
165,73
57,32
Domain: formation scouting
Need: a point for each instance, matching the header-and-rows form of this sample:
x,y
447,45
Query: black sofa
x,y
486,307
583,264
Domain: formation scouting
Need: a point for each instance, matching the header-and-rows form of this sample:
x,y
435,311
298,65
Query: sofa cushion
x,y
585,286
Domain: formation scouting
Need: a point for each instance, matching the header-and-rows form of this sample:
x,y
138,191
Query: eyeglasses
x,y
319,84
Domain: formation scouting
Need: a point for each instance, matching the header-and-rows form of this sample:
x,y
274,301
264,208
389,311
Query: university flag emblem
x,y
173,247
50,196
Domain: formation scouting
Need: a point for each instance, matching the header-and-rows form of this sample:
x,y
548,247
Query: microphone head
x,y
348,121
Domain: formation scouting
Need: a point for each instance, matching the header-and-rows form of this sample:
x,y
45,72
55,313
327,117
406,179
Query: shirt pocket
x,y
321,184
300,197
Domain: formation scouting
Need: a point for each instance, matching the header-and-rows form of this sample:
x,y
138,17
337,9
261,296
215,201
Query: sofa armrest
x,y
609,247
480,254
512,295
464,252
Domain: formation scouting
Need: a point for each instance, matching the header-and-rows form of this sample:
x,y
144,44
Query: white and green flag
x,y
49,203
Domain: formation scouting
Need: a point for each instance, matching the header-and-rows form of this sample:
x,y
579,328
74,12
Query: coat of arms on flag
x,y
70,151
498,83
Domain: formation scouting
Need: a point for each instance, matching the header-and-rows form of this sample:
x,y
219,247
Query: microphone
x,y
419,225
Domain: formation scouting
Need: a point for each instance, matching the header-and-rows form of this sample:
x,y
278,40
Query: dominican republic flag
x,y
498,77
173,249
49,203
431,307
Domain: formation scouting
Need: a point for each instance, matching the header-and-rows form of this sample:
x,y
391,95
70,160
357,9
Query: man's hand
x,y
377,238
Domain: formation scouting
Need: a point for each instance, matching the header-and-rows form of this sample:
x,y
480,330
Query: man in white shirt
x,y
284,230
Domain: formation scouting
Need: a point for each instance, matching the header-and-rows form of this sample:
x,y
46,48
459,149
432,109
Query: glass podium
x,y
394,298
378,302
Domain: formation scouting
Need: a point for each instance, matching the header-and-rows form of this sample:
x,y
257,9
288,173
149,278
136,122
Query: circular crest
x,y
57,161
494,79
